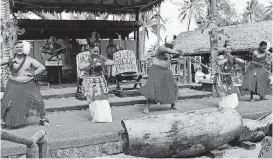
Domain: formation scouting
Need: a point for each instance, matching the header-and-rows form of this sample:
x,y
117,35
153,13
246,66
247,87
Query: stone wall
x,y
89,151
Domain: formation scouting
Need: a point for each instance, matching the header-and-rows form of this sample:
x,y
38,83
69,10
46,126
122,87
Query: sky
x,y
174,26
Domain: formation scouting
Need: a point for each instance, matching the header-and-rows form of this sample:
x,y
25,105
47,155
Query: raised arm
x,y
239,60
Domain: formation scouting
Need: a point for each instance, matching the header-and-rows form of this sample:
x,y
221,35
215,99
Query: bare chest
x,y
25,66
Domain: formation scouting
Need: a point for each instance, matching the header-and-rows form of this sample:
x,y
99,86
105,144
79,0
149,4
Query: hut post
x,y
213,38
189,70
185,70
137,37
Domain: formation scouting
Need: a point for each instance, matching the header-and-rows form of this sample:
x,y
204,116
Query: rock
x,y
90,151
254,130
111,148
248,145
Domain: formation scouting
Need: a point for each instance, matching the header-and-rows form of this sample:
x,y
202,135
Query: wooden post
x,y
185,71
137,37
43,147
32,151
189,70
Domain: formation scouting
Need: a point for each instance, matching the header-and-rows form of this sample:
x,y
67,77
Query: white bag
x,y
100,111
230,101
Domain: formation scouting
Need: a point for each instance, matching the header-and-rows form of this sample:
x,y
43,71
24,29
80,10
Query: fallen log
x,y
180,134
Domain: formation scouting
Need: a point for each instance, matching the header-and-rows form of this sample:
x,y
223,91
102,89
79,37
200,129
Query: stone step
x,y
71,90
71,103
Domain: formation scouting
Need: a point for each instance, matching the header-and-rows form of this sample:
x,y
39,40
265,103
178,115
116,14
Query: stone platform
x,y
72,134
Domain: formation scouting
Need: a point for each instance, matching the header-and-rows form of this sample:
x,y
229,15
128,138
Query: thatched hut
x,y
243,37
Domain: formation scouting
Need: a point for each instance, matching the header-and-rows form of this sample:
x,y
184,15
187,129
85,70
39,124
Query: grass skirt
x,y
95,88
256,80
224,85
161,86
21,100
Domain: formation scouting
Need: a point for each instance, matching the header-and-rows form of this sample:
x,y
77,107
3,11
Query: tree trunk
x,y
213,41
5,45
189,24
158,28
180,134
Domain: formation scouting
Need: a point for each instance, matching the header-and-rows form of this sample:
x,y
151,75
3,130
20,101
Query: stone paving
x,y
75,128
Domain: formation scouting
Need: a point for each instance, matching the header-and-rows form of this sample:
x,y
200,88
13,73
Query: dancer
x,y
95,86
161,85
224,78
22,98
256,79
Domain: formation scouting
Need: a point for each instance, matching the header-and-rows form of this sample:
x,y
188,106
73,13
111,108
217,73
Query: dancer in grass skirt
x,y
161,86
22,98
256,79
225,76
95,86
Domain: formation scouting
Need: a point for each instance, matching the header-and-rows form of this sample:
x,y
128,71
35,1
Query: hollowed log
x,y
180,134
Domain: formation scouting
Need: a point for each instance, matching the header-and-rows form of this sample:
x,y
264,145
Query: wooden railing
x,y
36,145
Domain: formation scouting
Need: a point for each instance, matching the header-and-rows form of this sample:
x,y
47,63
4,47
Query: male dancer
x,y
22,98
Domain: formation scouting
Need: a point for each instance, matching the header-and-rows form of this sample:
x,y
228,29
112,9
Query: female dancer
x,y
161,85
95,86
224,78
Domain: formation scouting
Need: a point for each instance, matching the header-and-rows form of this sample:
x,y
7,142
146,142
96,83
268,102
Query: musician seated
x,y
52,56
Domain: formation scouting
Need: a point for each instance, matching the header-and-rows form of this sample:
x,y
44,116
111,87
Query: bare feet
x,y
173,107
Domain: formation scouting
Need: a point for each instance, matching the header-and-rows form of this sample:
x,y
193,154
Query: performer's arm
x,y
255,53
107,62
84,65
239,60
40,68
221,60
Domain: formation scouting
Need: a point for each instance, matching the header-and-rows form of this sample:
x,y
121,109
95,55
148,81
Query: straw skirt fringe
x,y
161,86
21,101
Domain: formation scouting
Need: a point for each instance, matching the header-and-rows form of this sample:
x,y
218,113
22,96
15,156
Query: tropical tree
x,y
268,11
192,9
254,11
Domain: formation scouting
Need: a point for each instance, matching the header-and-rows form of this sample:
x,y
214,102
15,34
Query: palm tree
x,y
268,11
253,11
149,23
192,9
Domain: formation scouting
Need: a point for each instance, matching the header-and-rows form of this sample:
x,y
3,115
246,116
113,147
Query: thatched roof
x,y
243,37
93,6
